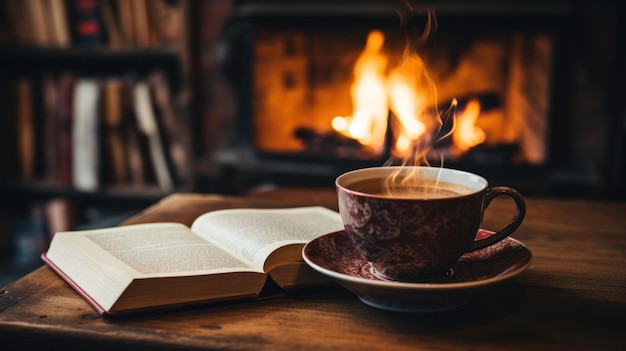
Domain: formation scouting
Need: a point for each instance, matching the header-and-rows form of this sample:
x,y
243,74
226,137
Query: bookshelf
x,y
91,101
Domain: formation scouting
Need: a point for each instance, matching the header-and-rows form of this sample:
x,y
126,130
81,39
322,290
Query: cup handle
x,y
520,204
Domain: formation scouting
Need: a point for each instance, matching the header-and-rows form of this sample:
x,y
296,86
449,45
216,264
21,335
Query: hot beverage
x,y
414,223
421,189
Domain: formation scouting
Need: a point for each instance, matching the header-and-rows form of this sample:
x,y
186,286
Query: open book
x,y
225,254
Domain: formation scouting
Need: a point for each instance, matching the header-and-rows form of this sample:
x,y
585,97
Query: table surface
x,y
572,297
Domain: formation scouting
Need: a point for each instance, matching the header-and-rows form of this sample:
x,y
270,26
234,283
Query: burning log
x,y
483,154
331,144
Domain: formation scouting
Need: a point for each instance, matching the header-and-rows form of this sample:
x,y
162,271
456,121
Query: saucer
x,y
334,256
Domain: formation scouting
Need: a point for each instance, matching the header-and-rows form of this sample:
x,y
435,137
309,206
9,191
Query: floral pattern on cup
x,y
413,240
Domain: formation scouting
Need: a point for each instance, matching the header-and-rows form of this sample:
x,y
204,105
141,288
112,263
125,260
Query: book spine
x,y
130,135
147,124
64,127
27,22
114,148
57,21
85,135
166,21
173,128
86,22
26,129
125,20
50,127
141,25
111,22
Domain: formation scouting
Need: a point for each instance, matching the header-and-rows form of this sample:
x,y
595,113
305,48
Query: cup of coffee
x,y
413,223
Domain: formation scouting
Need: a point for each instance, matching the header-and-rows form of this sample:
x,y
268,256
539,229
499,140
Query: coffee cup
x,y
413,223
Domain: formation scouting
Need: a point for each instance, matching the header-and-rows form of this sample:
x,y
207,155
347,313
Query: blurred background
x,y
110,105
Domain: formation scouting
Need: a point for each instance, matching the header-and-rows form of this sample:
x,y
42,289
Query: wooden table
x,y
573,297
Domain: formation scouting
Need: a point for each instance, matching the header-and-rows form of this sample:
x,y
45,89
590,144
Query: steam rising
x,y
417,105
406,90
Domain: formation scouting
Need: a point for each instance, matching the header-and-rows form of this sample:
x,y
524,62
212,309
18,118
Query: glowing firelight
x,y
466,134
369,96
411,93
407,92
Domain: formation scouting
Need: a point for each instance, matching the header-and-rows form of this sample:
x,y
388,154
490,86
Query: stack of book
x,y
96,132
101,23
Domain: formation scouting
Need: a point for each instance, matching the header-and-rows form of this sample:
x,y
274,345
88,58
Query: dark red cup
x,y
422,226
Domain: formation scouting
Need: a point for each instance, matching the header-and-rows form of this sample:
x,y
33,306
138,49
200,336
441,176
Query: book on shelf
x,y
148,125
86,135
224,255
147,23
125,22
38,22
116,168
28,114
141,24
145,150
94,23
173,127
50,126
57,23
86,23
111,23
137,165
65,95
167,21
89,133
26,128
27,21
53,107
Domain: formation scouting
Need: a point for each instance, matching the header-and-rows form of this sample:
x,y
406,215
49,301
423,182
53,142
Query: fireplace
x,y
493,84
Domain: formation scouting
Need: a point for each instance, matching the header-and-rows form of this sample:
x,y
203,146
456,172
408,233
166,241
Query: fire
x,y
369,96
466,134
409,94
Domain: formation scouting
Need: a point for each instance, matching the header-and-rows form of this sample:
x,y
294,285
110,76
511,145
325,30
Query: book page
x,y
163,249
252,234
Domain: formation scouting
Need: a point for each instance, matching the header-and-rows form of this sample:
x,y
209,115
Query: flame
x,y
368,122
466,134
410,95
406,91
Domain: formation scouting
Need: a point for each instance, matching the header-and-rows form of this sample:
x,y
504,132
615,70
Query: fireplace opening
x,y
305,81
501,75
